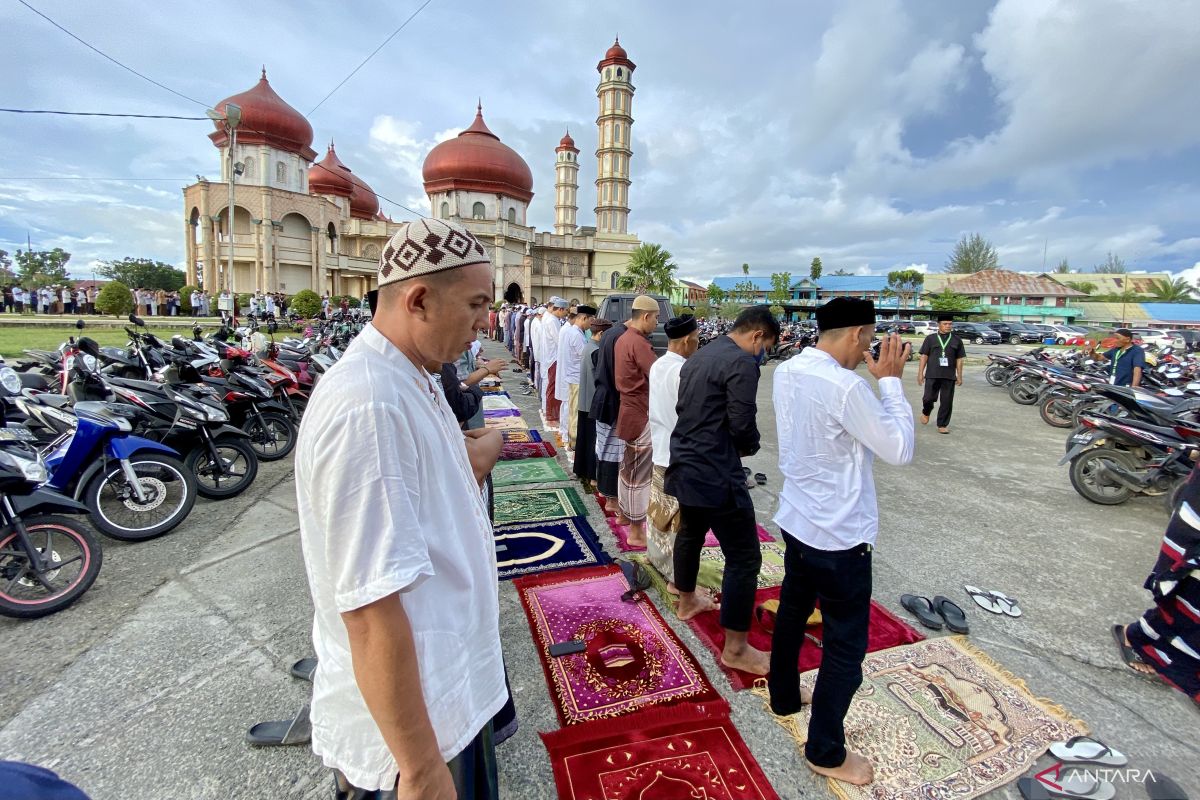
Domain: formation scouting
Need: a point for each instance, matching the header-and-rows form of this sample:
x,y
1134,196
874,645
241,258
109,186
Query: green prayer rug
x,y
712,566
539,504
527,470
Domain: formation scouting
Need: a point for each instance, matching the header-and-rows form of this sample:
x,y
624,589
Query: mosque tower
x,y
566,186
613,151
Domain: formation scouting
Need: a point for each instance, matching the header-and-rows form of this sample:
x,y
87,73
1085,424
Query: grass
x,y
13,340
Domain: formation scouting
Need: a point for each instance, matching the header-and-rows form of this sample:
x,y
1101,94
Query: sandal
x,y
760,478
1129,655
279,733
1085,750
922,609
1007,604
304,669
956,618
985,600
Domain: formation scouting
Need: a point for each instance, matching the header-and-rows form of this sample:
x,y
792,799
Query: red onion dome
x,y
267,119
476,160
330,176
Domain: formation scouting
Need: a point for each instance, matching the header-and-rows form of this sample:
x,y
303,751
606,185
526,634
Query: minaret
x,y
613,150
566,185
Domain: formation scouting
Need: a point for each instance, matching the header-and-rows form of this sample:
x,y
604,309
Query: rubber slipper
x,y
922,609
985,600
1129,655
1007,604
280,733
1085,750
1032,789
1078,784
760,479
746,471
956,618
304,669
1160,787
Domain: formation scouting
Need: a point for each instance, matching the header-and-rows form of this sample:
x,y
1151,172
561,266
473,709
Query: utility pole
x,y
232,118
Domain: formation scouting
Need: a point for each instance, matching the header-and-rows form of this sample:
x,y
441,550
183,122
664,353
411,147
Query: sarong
x,y
663,514
633,489
585,447
553,404
572,413
609,453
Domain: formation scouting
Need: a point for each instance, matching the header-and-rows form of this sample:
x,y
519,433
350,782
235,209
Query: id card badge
x,y
943,362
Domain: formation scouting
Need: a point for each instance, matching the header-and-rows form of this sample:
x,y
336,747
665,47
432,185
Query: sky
x,y
873,133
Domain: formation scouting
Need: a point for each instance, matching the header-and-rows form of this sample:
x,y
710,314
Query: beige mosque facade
x,y
299,223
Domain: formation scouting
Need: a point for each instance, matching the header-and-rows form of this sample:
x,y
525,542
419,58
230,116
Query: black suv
x,y
619,308
895,326
1015,332
976,333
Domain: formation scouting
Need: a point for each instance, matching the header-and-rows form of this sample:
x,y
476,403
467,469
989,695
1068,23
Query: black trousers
x,y
941,389
841,579
735,530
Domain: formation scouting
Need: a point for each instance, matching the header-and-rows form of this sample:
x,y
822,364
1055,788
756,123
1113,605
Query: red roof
x,y
566,143
267,119
330,176
1001,281
616,55
476,160
363,202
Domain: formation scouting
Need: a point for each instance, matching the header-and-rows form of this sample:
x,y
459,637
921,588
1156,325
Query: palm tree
x,y
650,270
1172,290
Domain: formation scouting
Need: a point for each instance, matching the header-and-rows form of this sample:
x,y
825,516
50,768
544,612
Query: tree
x,y
1087,287
744,292
1172,291
814,271
115,298
1113,264
650,270
906,283
781,288
1063,268
716,295
703,310
950,301
841,272
185,298
729,310
7,276
745,268
306,303
143,273
41,267
972,254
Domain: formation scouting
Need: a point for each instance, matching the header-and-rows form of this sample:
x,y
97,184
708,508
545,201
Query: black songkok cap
x,y
845,312
586,311
1125,332
680,327
945,318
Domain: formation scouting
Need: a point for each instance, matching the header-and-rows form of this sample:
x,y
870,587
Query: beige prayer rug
x,y
939,718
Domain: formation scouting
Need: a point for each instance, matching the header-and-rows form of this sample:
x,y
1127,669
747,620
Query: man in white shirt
x,y
683,339
552,322
571,341
397,543
831,426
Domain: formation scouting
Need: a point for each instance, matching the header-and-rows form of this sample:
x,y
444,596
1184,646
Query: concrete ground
x,y
146,686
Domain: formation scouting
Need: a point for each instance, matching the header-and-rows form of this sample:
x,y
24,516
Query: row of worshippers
x,y
669,438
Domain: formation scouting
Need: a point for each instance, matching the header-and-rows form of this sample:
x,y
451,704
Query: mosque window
x,y
618,72
281,173
445,210
608,74
512,214
248,163
616,276
477,211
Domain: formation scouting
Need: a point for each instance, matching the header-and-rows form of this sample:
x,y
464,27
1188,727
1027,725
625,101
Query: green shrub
x,y
335,302
115,298
185,298
243,303
306,303
730,310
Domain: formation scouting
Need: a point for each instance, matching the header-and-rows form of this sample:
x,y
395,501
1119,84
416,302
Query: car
x,y
619,308
1160,338
1191,337
976,333
1016,332
924,327
902,326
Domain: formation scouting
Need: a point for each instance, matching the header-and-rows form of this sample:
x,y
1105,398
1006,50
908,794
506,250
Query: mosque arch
x,y
614,279
297,225
478,211
445,213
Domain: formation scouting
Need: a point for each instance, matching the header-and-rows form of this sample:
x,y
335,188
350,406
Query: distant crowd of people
x,y
49,300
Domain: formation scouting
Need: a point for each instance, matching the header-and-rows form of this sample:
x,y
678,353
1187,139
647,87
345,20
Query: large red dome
x,y
267,119
476,160
616,55
363,202
330,176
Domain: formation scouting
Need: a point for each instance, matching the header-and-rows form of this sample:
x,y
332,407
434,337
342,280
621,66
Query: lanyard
x,y
1116,358
943,344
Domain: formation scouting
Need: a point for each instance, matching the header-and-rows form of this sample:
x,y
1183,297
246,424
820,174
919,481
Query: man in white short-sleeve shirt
x,y
397,543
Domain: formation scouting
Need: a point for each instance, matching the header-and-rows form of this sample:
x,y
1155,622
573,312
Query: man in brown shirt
x,y
632,360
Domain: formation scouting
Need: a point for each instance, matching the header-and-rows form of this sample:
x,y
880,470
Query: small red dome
x,y
267,119
616,55
476,160
363,202
330,176
567,143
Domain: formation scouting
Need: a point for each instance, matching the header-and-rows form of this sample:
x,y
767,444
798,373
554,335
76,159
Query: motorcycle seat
x,y
51,400
131,383
97,410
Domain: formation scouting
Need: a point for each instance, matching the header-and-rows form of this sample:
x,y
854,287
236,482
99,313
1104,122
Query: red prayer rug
x,y
632,659
686,751
511,451
622,534
885,630
521,436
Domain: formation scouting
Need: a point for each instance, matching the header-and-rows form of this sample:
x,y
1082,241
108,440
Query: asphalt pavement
x,y
146,686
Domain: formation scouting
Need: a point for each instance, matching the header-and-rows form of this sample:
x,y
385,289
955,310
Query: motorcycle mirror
x,y
136,320
272,327
89,346
79,324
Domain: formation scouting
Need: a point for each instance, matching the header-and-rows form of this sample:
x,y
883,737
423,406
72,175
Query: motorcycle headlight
x,y
215,414
10,380
32,469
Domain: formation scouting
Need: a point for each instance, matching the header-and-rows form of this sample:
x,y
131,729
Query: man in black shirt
x,y
940,370
716,428
606,406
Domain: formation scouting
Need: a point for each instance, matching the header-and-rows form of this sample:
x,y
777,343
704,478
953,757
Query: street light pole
x,y
232,118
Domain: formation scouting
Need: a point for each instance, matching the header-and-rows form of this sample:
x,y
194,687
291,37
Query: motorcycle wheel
x,y
1094,488
299,403
240,463
274,438
1056,411
1023,392
996,375
1175,495
171,493
22,593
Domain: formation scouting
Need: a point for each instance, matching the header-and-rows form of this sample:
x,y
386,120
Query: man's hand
x,y
920,378
495,365
958,381
436,785
893,354
483,450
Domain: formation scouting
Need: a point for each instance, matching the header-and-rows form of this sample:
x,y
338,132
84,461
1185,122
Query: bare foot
x,y
943,430
695,603
924,419
855,770
621,518
1138,666
749,659
672,588
637,535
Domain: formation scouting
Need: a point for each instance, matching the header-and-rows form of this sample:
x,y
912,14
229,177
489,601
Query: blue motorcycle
x,y
134,488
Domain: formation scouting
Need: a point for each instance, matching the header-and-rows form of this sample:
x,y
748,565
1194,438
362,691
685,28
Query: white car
x,y
925,327
1160,338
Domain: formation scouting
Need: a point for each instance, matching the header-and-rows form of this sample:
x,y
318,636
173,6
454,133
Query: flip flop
x,y
956,618
1078,784
1007,604
1032,789
985,600
1086,750
280,733
760,478
746,471
922,609
304,669
1129,655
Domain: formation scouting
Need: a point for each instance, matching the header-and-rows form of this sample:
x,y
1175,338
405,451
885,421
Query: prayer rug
x,y
501,412
505,423
686,751
712,566
884,630
498,402
523,548
608,513
940,719
622,534
512,451
633,659
527,470
521,436
526,506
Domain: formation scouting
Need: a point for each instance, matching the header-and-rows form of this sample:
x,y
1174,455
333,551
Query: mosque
x,y
299,223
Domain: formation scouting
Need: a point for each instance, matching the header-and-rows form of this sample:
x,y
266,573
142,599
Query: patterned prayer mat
x,y
527,470
527,506
505,423
501,412
521,436
712,566
492,386
940,718
633,659
524,548
687,751
622,534
511,451
498,402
